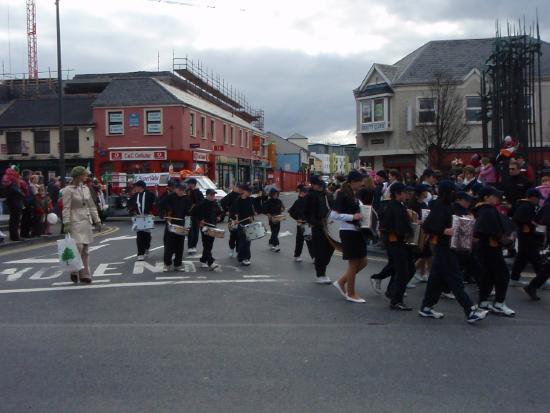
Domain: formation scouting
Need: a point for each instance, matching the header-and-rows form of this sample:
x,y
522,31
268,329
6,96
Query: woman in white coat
x,y
79,214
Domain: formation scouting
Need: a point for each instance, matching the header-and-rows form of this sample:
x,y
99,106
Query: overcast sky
x,y
298,60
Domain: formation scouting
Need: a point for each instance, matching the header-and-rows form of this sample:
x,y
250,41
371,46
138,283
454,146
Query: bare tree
x,y
442,124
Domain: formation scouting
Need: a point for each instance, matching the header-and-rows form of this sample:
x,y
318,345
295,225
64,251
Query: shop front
x,y
201,163
259,169
244,170
226,171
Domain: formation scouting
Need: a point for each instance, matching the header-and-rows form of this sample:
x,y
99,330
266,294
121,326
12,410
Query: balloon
x,y
52,218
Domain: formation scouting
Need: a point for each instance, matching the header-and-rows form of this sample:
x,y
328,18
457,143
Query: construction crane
x,y
31,39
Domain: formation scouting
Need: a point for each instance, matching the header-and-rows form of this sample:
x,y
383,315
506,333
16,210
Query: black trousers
x,y
542,277
469,265
402,258
143,241
528,252
300,243
37,227
243,245
322,250
26,222
173,247
494,273
233,239
15,221
193,234
207,245
445,273
275,227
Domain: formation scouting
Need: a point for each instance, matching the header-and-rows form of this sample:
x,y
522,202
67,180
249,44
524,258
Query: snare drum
x,y
416,238
255,231
278,218
142,223
214,232
307,232
178,229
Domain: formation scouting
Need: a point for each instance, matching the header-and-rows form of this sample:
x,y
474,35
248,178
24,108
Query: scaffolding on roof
x,y
202,82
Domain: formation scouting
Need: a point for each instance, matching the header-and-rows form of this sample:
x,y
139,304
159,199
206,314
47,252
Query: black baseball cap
x,y
141,184
397,188
246,188
302,188
534,192
489,191
465,196
210,191
355,176
316,180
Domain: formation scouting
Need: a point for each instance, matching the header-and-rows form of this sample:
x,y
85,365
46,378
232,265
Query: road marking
x,y
39,275
140,266
256,276
14,274
34,261
123,237
171,278
135,255
141,284
60,284
101,270
97,247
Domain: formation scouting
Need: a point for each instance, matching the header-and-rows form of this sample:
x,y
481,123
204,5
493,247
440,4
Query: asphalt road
x,y
259,339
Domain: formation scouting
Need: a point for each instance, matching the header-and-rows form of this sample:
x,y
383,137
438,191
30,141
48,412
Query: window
x,y
374,110
241,142
379,110
246,140
366,111
192,124
473,109
42,141
153,121
13,140
213,130
203,127
426,110
115,123
225,134
232,135
71,141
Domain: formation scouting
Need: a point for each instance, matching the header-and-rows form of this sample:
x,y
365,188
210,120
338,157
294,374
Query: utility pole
x,y
62,172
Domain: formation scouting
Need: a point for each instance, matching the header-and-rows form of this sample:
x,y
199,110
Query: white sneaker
x,y
192,251
323,280
298,259
421,278
276,249
546,285
486,305
214,266
502,308
140,258
376,285
448,296
430,313
146,253
166,268
246,263
477,314
411,285
231,253
204,265
517,283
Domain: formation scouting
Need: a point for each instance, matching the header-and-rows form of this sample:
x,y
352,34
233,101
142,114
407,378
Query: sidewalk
x,y
6,244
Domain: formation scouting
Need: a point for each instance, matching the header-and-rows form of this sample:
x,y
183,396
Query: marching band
x,y
442,234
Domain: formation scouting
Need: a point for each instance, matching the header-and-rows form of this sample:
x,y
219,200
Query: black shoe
x,y
388,295
74,278
400,307
531,292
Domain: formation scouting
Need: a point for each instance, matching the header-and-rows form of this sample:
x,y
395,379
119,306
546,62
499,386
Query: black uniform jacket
x,y
208,211
317,207
243,210
440,218
396,222
460,210
176,206
490,225
228,200
273,206
297,210
146,200
524,216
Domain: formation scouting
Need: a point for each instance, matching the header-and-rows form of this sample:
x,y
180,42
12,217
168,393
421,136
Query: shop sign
x,y
256,143
133,120
218,148
137,155
194,145
226,160
244,162
152,179
373,127
3,148
200,157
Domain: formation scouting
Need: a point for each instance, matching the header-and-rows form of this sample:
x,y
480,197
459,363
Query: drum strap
x,y
141,203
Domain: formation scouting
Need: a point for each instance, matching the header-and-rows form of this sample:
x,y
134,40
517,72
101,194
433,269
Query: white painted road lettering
x,y
101,270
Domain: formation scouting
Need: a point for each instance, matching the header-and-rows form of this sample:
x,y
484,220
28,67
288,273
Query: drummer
x,y
176,207
242,212
273,207
208,213
141,203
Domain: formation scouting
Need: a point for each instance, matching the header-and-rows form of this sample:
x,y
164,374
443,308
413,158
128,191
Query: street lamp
x,y
60,98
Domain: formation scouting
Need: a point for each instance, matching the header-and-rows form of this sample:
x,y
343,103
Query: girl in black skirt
x,y
354,246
